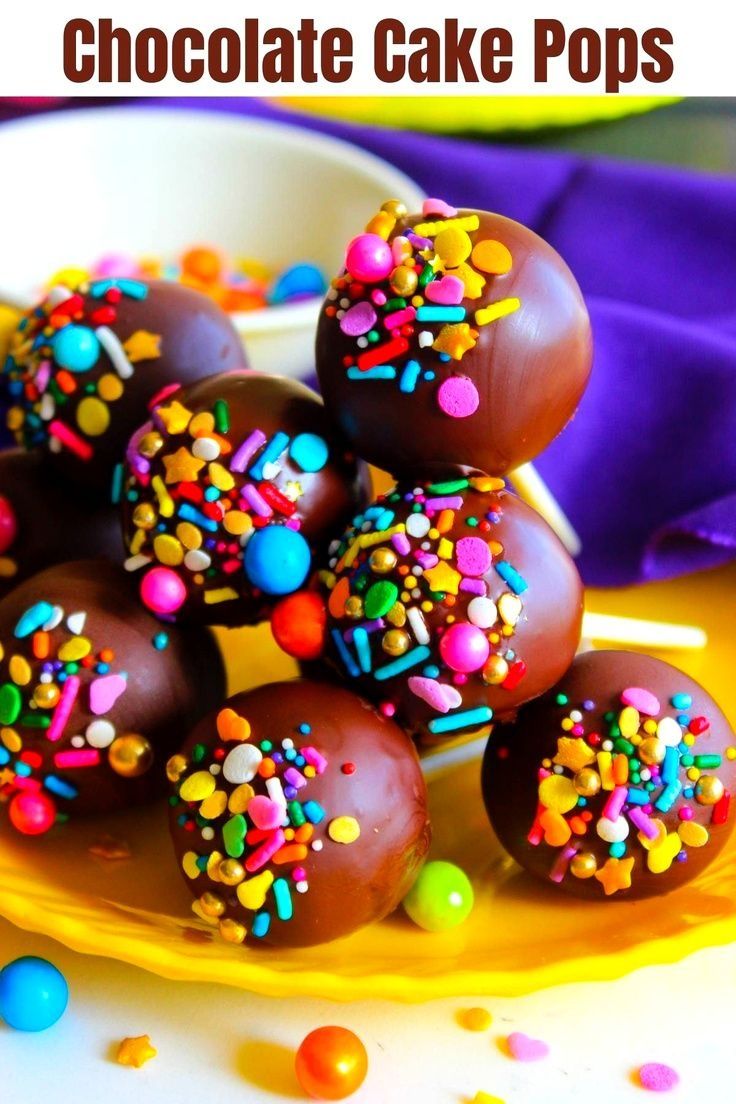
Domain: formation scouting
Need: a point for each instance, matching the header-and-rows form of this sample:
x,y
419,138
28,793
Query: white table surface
x,y
220,1044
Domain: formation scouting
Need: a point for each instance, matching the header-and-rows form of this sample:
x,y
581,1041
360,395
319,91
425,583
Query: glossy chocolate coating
x,y
528,369
317,501
53,521
168,687
474,535
594,686
372,775
185,337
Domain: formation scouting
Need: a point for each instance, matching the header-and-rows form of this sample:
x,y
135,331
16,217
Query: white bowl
x,y
79,184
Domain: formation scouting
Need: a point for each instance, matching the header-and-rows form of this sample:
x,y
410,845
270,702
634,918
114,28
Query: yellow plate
x,y
518,939
475,113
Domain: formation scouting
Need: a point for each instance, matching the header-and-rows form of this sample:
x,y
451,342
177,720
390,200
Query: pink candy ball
x,y
8,525
369,259
464,647
162,590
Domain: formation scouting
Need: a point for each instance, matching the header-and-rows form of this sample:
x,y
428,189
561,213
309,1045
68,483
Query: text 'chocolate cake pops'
x,y
449,604
94,696
84,365
45,520
615,784
228,491
453,340
299,815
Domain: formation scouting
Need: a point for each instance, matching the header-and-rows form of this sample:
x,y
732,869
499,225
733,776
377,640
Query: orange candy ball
x,y
299,625
331,1063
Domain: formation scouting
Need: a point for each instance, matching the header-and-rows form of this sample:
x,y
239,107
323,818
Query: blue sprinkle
x,y
429,376
313,811
617,850
440,314
384,520
469,718
670,766
344,653
187,512
4,756
161,641
211,494
381,372
403,663
309,451
363,648
637,797
681,701
305,728
21,768
270,454
59,787
33,619
116,487
282,895
512,577
261,924
431,671
410,376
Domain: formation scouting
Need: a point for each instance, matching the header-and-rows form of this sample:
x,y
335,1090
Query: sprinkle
x,y
383,372
343,829
64,707
410,376
469,718
525,1049
282,896
656,1077
135,1051
271,453
500,309
247,450
511,577
403,663
115,351
71,760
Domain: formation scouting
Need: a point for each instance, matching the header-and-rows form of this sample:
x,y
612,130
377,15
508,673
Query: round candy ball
x,y
298,815
116,344
94,696
450,604
331,1063
460,342
616,784
228,492
441,897
45,521
33,994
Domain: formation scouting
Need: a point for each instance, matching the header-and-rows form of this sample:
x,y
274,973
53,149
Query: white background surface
x,y
219,1044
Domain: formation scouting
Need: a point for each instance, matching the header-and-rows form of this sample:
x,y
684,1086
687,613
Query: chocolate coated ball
x,y
617,783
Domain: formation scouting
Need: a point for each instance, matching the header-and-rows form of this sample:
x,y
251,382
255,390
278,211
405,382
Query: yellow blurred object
x,y
139,911
491,114
9,319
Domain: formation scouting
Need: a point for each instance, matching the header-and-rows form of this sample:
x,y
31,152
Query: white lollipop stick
x,y
532,488
642,634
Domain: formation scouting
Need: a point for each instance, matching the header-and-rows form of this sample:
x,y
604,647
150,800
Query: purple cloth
x,y
647,469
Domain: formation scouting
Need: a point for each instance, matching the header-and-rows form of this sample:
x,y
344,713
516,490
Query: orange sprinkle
x,y
295,852
41,643
267,768
620,770
304,833
578,825
66,382
107,655
445,521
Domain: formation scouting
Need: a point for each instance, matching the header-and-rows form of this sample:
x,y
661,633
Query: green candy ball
x,y
441,898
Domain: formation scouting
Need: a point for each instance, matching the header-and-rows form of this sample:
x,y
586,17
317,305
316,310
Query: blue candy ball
x,y
33,994
76,348
277,559
309,451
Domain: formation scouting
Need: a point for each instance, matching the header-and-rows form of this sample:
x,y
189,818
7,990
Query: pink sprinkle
x,y
295,778
448,291
656,1077
641,821
264,813
426,559
643,700
358,320
315,759
438,207
43,375
67,437
525,1049
245,452
473,556
614,805
299,874
256,501
449,502
474,586
104,692
64,708
458,397
438,695
559,870
265,852
401,543
398,318
84,757
378,297
685,813
164,394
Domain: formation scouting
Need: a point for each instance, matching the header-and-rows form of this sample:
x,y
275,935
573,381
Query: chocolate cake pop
x,y
83,366
228,491
452,341
299,815
450,604
616,783
43,521
94,695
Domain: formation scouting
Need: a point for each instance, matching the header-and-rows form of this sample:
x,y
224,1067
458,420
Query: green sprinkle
x,y
380,598
472,522
10,703
198,753
427,275
707,762
296,816
623,745
233,836
392,305
451,487
561,699
35,720
222,416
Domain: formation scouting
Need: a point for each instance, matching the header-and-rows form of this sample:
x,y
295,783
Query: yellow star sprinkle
x,y
182,467
293,490
142,345
615,875
455,340
573,754
443,578
136,1051
174,416
473,281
